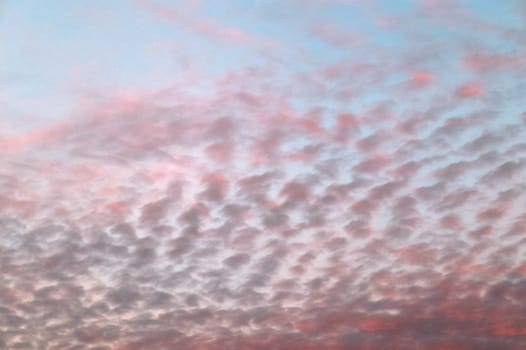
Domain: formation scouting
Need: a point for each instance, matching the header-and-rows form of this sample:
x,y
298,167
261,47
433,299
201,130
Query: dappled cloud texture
x,y
337,174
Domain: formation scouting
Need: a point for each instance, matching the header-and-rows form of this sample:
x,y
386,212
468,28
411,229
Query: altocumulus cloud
x,y
271,175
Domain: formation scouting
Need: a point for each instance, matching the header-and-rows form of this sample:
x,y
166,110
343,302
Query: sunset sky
x,y
263,175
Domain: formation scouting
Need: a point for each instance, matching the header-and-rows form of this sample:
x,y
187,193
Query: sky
x,y
263,174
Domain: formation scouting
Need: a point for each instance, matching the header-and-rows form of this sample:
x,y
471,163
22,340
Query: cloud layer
x,y
361,189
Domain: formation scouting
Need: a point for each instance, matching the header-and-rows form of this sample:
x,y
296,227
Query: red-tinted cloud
x,y
293,201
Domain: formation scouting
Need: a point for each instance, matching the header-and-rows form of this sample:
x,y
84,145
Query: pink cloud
x,y
470,90
421,79
266,209
202,25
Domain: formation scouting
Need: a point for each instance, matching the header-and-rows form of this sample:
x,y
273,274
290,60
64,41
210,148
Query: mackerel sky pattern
x,y
272,174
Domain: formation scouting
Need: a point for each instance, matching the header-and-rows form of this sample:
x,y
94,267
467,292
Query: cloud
x,y
421,79
201,25
470,90
265,210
